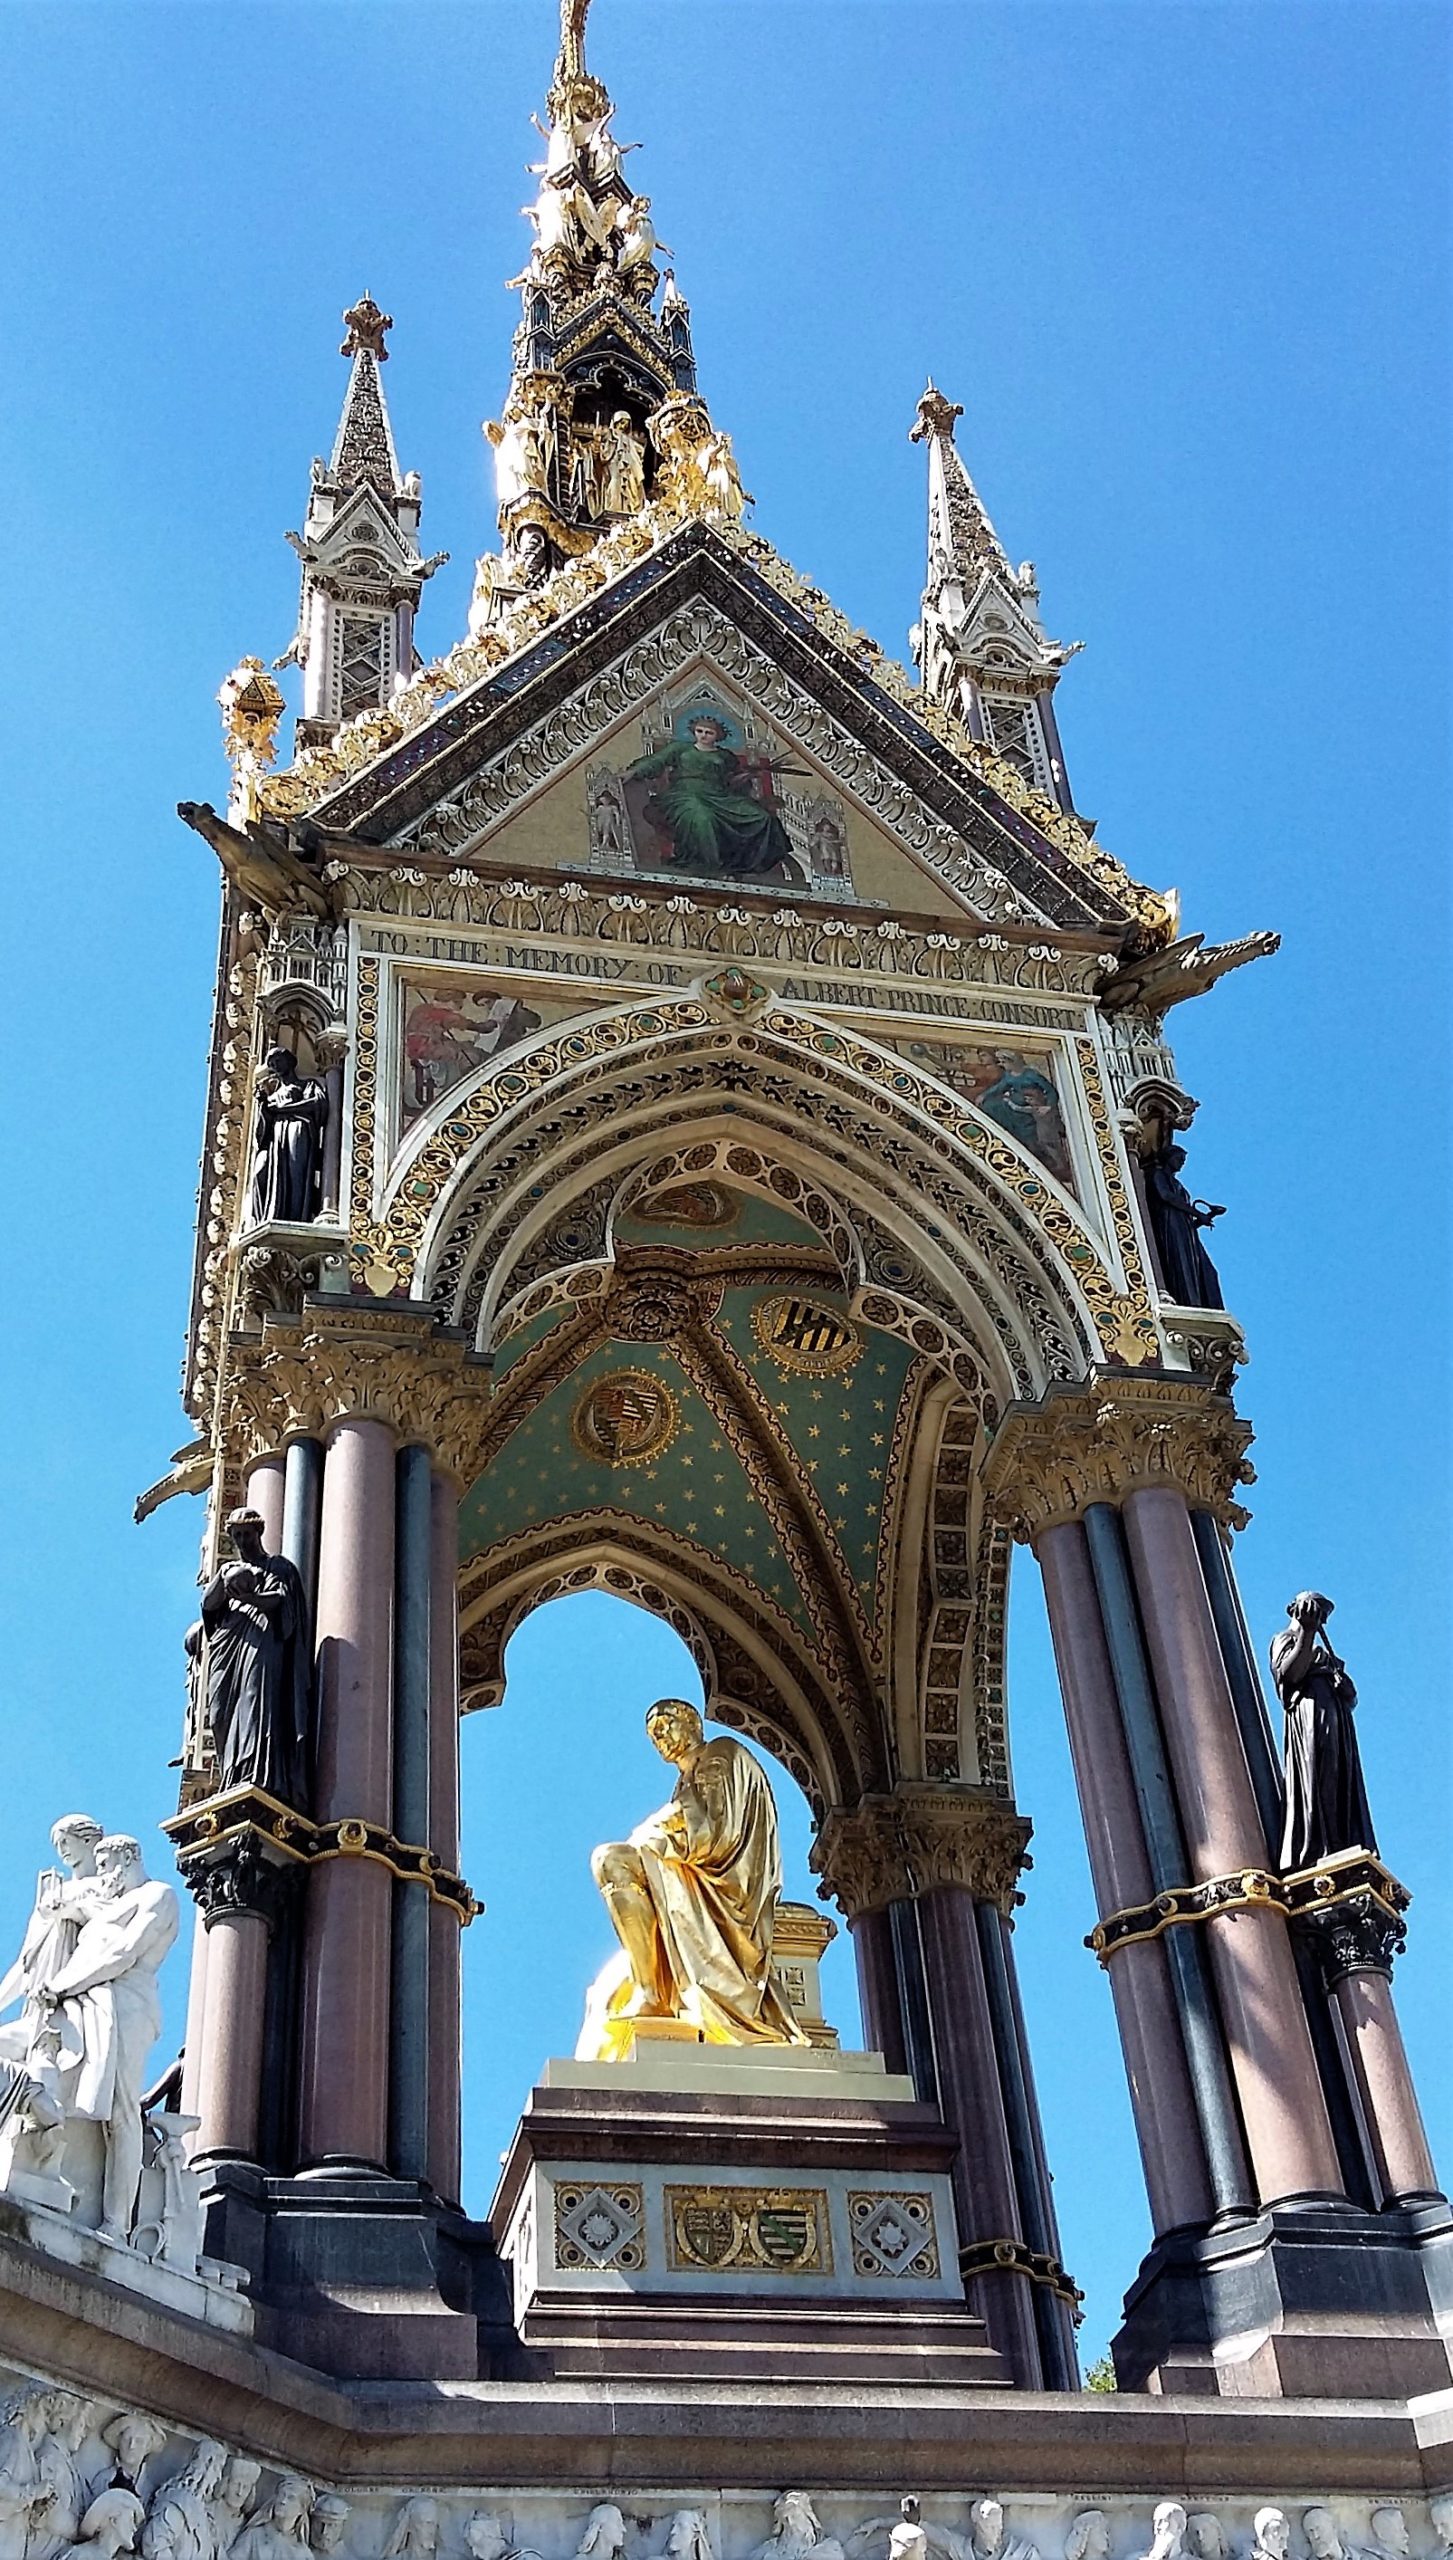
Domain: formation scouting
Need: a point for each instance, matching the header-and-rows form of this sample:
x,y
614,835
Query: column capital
x,y
1119,1433
889,1848
395,1366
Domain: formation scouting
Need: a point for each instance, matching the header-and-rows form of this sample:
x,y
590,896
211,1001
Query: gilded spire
x,y
571,62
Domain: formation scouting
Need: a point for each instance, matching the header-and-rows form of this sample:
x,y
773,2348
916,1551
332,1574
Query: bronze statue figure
x,y
1326,1800
254,1630
287,1141
1177,1222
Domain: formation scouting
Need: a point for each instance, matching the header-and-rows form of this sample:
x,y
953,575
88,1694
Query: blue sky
x,y
1185,265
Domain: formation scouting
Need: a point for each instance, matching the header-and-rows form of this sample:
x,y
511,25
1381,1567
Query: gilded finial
x,y
571,65
367,328
935,415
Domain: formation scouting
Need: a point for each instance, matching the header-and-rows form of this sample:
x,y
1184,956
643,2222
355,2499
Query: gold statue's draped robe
x,y
713,1870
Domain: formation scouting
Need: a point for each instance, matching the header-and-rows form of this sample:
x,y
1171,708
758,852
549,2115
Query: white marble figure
x,y
1440,2517
521,455
1205,2539
486,2539
50,1936
278,2529
1271,2534
989,2538
69,2422
1089,2536
111,2524
103,2016
329,2523
687,2537
134,2440
415,2531
796,2533
25,2493
179,2521
230,2505
1167,2531
604,2537
636,243
1390,2533
1324,2536
907,2541
169,2207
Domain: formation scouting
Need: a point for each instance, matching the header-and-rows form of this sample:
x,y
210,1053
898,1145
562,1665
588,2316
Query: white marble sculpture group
x,y
76,2477
74,2138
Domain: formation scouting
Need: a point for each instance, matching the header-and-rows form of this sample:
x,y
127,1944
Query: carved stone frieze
x,y
891,1848
299,1377
1049,1461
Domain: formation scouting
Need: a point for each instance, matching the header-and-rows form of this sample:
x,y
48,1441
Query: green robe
x,y
706,809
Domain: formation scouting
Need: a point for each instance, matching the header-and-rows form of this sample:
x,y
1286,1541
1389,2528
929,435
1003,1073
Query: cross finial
x,y
367,328
936,416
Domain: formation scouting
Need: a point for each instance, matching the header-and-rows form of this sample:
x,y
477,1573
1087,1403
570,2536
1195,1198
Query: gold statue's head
x,y
675,1728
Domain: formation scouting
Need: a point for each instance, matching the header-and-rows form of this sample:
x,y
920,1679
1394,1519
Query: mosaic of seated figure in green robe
x,y
705,803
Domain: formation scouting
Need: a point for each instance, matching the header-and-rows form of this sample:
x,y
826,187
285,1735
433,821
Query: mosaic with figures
x,y
716,795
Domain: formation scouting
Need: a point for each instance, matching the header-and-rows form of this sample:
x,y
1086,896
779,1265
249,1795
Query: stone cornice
x,y
295,1379
1118,1435
890,1848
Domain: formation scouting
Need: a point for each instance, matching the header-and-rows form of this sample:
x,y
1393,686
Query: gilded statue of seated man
x,y
693,1898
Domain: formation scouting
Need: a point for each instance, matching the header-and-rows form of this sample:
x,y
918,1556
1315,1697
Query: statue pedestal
x,y
707,2210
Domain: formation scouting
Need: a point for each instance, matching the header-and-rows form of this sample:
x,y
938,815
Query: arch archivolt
x,y
985,1244
758,1673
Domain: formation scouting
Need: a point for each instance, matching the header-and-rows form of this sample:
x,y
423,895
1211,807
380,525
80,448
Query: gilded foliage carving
x,y
890,1848
300,1378
1049,1461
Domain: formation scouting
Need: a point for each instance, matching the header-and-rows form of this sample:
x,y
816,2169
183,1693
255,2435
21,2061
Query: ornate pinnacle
x,y
367,329
571,65
936,416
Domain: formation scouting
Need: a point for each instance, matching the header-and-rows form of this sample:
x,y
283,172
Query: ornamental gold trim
x,y
1121,1434
805,1336
1014,2258
625,1419
246,1818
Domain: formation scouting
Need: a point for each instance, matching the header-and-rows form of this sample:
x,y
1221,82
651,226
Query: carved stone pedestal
x,y
775,2214
1299,2301
369,2278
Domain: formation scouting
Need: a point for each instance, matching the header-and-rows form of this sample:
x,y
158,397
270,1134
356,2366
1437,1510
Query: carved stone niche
x,y
890,1848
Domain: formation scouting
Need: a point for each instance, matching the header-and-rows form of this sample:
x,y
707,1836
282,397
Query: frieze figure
x,y
692,1897
179,2523
328,2524
111,2525
1440,2517
1324,2536
278,2529
231,2505
1326,1800
1205,2536
287,1142
1167,2531
486,2539
1390,2534
990,2537
604,2537
254,1622
134,2441
796,2533
687,2537
415,2531
25,2493
1089,2536
1271,2534
69,2422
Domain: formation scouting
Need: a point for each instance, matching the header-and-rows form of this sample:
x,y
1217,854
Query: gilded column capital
x,y
890,1848
1118,1434
298,1377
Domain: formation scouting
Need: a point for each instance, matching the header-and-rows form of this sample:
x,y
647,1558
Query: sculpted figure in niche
x,y
104,2015
604,2537
111,2524
1177,1221
61,1900
796,2533
693,1899
254,1626
288,1141
1326,1801
179,2522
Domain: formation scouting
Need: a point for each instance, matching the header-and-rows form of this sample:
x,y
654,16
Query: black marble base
x,y
1302,2300
329,2252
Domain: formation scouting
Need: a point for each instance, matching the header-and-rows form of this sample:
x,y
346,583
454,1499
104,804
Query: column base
x,y
328,2253
1307,2301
